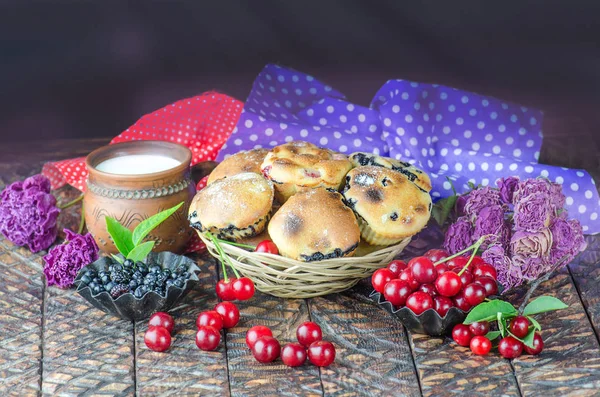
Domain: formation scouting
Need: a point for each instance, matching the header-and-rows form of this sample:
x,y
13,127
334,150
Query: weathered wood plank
x,y
184,369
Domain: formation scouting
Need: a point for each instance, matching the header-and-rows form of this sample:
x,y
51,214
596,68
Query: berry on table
x,y
380,278
225,289
396,266
207,338
267,246
321,353
162,319
441,304
423,270
479,328
462,334
448,284
538,345
229,312
118,290
243,288
519,326
157,339
308,332
210,318
510,347
293,354
266,349
480,345
419,301
396,292
256,332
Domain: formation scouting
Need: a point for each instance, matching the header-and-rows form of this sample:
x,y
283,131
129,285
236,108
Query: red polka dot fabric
x,y
202,123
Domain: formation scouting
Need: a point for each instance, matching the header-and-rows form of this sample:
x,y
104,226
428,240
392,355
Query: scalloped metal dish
x,y
429,322
129,307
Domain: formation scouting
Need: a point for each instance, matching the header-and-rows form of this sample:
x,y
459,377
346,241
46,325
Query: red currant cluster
x,y
436,281
265,348
474,336
158,336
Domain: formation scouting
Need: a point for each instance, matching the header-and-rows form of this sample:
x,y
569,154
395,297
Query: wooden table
x,y
52,342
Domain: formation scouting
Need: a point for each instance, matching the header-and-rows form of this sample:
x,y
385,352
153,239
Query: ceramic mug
x,y
132,198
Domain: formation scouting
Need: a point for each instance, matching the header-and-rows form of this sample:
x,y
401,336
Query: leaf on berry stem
x,y
146,226
488,311
118,258
528,339
140,252
441,209
121,236
543,304
533,321
492,335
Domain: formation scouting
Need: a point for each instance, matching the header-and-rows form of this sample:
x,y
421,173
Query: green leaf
x,y
122,237
528,339
543,304
118,258
140,252
536,325
149,224
441,209
451,185
501,324
492,335
488,311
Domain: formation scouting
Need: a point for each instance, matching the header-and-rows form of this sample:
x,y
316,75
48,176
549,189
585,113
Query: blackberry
x,y
116,268
119,290
117,276
155,269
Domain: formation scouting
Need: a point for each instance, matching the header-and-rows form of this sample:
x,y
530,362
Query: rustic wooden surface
x,y
53,343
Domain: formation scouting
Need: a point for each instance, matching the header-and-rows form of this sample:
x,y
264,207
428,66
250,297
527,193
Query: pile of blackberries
x,y
137,278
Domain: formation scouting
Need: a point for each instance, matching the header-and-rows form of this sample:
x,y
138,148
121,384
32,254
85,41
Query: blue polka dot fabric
x,y
446,132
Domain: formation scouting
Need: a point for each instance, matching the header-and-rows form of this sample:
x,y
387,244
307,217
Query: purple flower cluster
x,y
28,213
527,228
65,260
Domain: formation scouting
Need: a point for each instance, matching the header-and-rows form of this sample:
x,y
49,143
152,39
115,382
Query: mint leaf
x,y
543,304
140,252
492,335
121,236
441,209
533,321
118,258
149,224
488,311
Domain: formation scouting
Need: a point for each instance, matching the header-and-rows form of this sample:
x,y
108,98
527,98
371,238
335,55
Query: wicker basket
x,y
289,278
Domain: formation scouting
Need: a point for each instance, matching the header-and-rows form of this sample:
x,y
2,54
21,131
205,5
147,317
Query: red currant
x,y
479,328
267,246
396,292
462,334
243,288
211,318
428,289
423,270
225,289
510,347
308,332
396,266
266,349
519,326
256,332
490,285
157,338
321,353
441,304
229,312
207,338
460,301
480,345
419,301
538,345
407,276
380,278
162,319
293,354
448,284
485,270
441,269
474,294
436,255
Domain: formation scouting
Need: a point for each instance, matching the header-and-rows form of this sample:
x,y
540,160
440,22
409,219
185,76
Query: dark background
x,y
91,68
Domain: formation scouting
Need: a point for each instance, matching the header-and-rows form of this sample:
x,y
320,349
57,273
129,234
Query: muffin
x,y
388,206
232,208
314,225
245,161
415,175
299,165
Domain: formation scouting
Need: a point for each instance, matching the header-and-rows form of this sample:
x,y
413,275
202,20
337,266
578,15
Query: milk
x,y
136,164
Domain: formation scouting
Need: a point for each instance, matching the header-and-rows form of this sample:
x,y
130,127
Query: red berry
x,y
436,255
229,312
243,288
293,354
256,332
462,334
419,301
448,284
396,292
321,353
380,278
519,326
490,285
225,290
207,338
423,270
461,302
441,269
477,260
474,294
485,270
266,349
308,332
510,347
162,319
465,278
457,263
441,304
157,338
479,328
267,246
407,276
538,345
428,289
211,318
396,266
480,345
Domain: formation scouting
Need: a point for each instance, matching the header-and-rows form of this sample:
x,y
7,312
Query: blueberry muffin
x,y
245,161
388,206
314,225
232,208
415,175
299,165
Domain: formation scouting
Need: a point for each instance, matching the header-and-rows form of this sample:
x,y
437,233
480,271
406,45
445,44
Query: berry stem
x,y
224,258
81,222
71,203
475,248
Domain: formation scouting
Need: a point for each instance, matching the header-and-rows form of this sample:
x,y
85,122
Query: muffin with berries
x,y
244,161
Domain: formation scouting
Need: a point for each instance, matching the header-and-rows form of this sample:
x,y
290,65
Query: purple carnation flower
x,y
65,260
459,235
460,204
481,198
28,213
549,189
531,244
507,188
490,221
496,256
532,212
